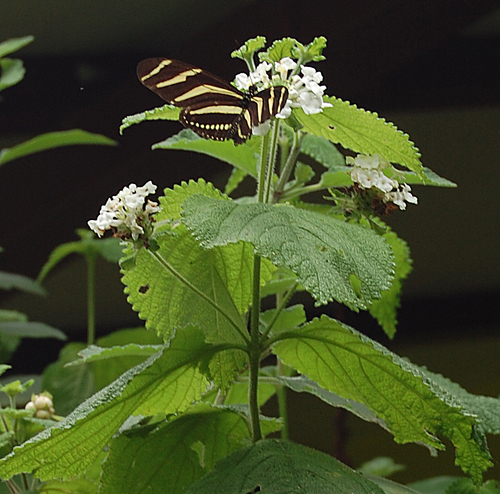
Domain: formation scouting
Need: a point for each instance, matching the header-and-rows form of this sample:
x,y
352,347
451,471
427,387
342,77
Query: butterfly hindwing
x,y
210,106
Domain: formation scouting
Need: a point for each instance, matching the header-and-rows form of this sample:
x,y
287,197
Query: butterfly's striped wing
x,y
210,106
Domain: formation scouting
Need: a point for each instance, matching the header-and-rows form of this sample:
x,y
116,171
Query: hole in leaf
x,y
356,285
144,288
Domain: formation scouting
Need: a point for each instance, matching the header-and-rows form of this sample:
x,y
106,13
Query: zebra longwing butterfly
x,y
209,105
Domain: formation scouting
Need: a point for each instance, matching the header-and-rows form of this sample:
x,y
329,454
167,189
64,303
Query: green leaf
x,y
243,157
168,382
282,281
466,486
9,281
428,177
434,485
68,386
31,330
325,253
322,151
381,466
289,318
88,246
302,384
95,353
279,49
384,309
246,51
54,140
13,44
173,454
281,467
76,486
390,487
361,131
237,176
11,72
312,52
165,112
190,285
414,407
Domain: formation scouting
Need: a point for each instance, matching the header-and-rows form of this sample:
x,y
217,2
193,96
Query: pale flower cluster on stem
x,y
368,173
304,91
127,213
42,405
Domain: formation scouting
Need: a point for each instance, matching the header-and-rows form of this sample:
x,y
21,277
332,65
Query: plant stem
x,y
282,402
91,260
273,146
289,165
255,354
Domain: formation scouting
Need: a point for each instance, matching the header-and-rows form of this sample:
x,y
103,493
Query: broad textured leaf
x,y
243,157
9,281
290,317
414,407
167,383
68,386
385,309
174,454
94,353
13,44
54,140
165,112
279,49
361,131
325,253
390,487
281,467
322,151
428,177
302,384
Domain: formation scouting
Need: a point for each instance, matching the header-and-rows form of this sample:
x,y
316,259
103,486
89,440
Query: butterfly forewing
x,y
210,106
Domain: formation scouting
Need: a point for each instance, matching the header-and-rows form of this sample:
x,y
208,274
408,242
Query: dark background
x,y
429,66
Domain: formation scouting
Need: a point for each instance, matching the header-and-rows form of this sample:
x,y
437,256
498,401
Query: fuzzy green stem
x,y
271,161
198,292
255,354
91,260
289,165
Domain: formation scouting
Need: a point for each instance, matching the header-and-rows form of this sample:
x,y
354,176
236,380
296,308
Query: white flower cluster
x,y
126,212
303,91
368,172
42,405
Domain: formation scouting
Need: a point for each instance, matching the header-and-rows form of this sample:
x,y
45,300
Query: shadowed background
x,y
429,66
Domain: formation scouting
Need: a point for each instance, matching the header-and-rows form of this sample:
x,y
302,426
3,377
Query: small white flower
x,y
127,212
283,66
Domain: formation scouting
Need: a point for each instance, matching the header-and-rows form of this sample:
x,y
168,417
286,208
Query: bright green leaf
x,y
76,486
167,382
165,112
281,467
237,176
384,309
13,44
322,251
173,454
289,318
54,140
242,157
322,151
362,132
414,408
246,51
279,49
11,72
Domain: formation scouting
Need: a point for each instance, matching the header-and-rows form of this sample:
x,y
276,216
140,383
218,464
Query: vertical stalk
x,y
91,260
255,353
282,402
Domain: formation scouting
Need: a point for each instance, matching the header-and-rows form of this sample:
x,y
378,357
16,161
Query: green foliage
x,y
53,140
176,405
12,70
166,112
362,132
413,407
322,251
282,468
